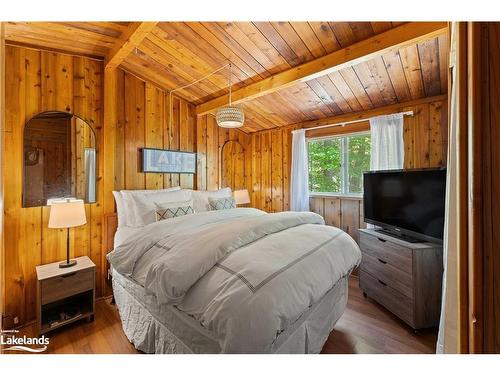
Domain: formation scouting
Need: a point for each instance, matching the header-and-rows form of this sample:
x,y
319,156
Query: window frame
x,y
344,164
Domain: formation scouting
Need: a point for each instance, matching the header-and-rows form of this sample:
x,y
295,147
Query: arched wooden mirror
x,y
233,165
59,159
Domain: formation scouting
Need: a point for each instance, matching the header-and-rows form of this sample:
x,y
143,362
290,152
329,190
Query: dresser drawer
x,y
60,287
392,276
390,252
388,297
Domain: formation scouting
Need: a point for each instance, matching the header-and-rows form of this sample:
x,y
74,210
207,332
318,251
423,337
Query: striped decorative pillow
x,y
174,209
221,203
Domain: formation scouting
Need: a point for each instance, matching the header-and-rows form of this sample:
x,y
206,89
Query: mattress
x,y
154,328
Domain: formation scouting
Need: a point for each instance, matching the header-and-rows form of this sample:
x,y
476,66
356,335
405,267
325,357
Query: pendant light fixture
x,y
230,116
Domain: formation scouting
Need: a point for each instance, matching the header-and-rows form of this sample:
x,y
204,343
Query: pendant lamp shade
x,y
230,116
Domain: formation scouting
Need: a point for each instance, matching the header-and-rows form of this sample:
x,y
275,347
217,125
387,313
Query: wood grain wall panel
x,y
154,130
42,81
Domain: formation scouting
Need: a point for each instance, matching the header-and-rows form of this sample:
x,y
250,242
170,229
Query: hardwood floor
x,y
368,328
365,327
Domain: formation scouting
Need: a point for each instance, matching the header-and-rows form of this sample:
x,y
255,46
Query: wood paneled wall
x,y
42,81
425,139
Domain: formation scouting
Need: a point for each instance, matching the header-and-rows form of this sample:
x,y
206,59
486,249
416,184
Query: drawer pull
x,y
381,282
68,275
382,261
381,239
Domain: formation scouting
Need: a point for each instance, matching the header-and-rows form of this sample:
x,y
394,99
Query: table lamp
x,y
67,213
241,197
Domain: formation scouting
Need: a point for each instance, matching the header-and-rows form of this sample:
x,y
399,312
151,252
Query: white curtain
x,y
387,151
299,184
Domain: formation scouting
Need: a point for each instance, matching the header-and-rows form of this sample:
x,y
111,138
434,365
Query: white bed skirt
x,y
146,325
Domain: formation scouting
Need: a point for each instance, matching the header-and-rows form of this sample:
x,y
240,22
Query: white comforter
x,y
245,275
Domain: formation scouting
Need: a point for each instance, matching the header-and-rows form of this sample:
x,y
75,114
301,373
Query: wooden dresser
x,y
404,277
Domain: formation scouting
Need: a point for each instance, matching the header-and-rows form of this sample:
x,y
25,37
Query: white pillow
x,y
144,205
120,209
124,203
200,198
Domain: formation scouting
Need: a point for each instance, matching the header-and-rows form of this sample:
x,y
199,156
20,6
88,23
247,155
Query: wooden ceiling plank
x,y
428,53
262,43
290,109
412,69
130,39
393,65
361,30
371,88
324,96
381,77
343,33
291,38
314,104
180,65
334,93
305,32
198,53
243,39
357,88
266,113
325,34
345,91
365,50
236,48
274,105
248,73
272,35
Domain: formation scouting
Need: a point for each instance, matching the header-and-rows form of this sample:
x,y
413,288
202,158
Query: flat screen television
x,y
406,203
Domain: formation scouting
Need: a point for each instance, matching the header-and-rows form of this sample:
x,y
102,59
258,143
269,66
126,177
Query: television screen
x,y
411,201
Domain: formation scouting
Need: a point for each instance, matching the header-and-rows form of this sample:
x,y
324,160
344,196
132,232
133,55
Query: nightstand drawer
x,y
388,297
392,276
60,287
390,252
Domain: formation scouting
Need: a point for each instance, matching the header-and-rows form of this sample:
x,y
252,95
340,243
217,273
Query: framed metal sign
x,y
168,161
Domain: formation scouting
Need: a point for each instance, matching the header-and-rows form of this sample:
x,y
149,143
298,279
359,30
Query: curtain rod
x,y
407,113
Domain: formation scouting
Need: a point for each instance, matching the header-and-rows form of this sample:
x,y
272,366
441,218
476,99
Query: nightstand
x,y
65,295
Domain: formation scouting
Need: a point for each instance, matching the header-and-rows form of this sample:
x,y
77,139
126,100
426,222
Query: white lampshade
x,y
67,213
241,196
230,117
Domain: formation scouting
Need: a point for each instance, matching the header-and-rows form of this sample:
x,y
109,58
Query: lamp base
x,y
67,264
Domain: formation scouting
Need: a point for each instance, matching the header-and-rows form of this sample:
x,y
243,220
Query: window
x,y
336,164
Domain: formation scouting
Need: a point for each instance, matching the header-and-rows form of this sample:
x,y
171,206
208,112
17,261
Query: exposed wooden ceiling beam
x,y
365,50
130,39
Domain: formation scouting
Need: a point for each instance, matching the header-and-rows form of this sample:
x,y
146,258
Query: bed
x,y
235,280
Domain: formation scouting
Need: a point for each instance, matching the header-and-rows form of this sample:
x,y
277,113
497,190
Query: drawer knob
x,y
382,261
381,282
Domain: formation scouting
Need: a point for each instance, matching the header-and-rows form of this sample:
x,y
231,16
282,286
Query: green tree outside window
x,y
336,165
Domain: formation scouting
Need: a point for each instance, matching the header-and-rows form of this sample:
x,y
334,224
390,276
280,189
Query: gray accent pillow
x,y
221,203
